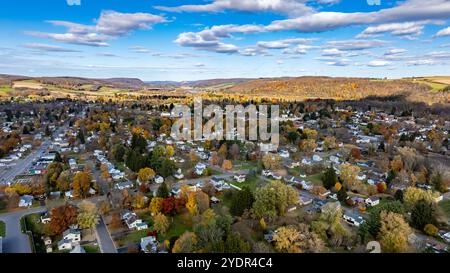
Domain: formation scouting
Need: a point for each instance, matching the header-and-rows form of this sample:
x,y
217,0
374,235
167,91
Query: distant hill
x,y
200,83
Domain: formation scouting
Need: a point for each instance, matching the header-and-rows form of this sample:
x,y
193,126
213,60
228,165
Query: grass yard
x,y
244,165
180,224
5,89
445,206
315,178
132,238
252,182
32,223
90,248
2,229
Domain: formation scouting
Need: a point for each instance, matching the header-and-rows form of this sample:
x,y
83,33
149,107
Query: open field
x,y
32,84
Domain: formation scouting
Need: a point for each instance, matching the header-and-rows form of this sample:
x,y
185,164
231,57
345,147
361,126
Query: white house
x,y
178,174
284,154
240,178
372,201
353,219
316,158
200,168
266,173
123,185
159,179
64,245
149,244
45,218
26,201
72,235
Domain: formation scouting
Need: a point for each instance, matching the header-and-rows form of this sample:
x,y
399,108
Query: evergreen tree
x,y
80,136
423,213
163,191
342,194
138,143
399,195
241,201
57,158
329,178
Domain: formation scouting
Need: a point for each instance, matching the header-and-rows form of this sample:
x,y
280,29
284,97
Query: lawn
x,y
445,206
315,178
180,224
252,182
32,223
5,89
90,248
2,229
244,165
132,238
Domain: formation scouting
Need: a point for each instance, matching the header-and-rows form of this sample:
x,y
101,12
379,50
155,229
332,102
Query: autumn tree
x,y
227,165
271,161
202,201
273,199
308,146
161,223
297,239
81,184
87,215
412,195
349,175
191,203
62,217
185,243
329,143
394,232
163,191
156,205
63,181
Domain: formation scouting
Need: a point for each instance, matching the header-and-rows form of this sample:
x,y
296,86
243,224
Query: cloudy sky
x,y
201,39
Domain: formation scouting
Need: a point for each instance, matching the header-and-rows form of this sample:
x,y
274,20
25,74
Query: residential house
x,y
149,244
159,179
25,201
372,201
353,219
240,178
200,168
123,185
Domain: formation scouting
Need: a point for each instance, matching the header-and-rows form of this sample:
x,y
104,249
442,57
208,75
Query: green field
x,y
315,178
435,86
2,229
180,224
445,206
5,89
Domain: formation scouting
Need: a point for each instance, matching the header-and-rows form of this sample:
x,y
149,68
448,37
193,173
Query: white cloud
x,y
333,52
355,44
110,25
396,29
443,32
289,7
281,44
395,51
378,63
46,47
421,62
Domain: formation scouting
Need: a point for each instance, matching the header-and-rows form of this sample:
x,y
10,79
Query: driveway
x,y
16,241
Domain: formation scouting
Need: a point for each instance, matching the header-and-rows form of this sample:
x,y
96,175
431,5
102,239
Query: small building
x,y
159,179
123,185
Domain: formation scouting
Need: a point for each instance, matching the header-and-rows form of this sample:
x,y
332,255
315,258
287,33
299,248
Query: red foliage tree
x,y
62,218
168,205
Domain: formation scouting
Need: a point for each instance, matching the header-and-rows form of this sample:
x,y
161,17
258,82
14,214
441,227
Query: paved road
x,y
16,241
104,239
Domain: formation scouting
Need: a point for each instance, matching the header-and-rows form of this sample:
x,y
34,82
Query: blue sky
x,y
201,39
